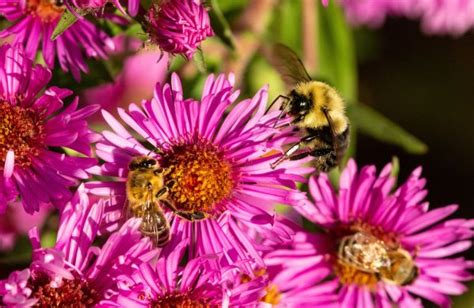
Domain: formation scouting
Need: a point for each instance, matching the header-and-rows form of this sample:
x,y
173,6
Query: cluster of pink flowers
x,y
453,17
237,250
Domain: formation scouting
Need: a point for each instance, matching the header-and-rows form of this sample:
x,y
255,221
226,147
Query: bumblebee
x,y
369,254
318,111
147,191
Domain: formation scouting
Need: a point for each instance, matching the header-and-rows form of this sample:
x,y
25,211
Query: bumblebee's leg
x,y
321,152
315,153
291,151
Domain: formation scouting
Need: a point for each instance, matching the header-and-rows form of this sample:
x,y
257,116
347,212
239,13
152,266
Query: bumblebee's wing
x,y
287,63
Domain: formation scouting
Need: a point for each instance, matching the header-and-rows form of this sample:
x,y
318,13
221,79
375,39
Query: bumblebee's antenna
x,y
275,100
282,108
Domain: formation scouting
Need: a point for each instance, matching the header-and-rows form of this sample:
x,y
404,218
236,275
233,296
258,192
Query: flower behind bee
x,y
454,17
34,127
219,163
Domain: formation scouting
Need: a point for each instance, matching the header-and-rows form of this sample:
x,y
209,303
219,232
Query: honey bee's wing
x,y
287,63
149,225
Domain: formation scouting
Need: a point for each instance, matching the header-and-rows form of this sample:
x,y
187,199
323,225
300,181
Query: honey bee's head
x,y
142,163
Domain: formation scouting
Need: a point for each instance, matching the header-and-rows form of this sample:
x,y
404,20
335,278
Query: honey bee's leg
x,y
165,190
170,184
185,215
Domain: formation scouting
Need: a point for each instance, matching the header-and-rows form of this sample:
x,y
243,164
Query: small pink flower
x,y
33,126
178,27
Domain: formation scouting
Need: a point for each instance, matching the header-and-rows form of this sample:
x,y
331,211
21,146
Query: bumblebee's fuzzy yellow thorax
x,y
322,95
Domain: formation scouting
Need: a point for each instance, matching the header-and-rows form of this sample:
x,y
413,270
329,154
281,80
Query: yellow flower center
x,y
21,130
204,177
48,10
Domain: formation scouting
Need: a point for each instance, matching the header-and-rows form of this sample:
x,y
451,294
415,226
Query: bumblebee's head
x,y
298,105
142,162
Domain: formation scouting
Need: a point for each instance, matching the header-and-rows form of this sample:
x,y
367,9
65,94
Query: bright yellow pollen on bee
x,y
22,131
203,177
47,10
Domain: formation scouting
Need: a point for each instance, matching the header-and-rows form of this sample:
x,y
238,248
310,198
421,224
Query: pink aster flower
x,y
387,248
201,282
33,22
219,161
75,272
453,17
33,126
178,27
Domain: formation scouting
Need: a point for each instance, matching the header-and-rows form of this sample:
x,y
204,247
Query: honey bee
x,y
317,110
369,254
147,191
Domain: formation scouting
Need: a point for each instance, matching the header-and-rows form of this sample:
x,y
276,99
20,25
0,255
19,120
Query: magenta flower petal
x,y
32,124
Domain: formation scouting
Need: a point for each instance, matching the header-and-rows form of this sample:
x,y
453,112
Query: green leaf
x,y
200,62
286,27
220,25
337,55
67,20
376,125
